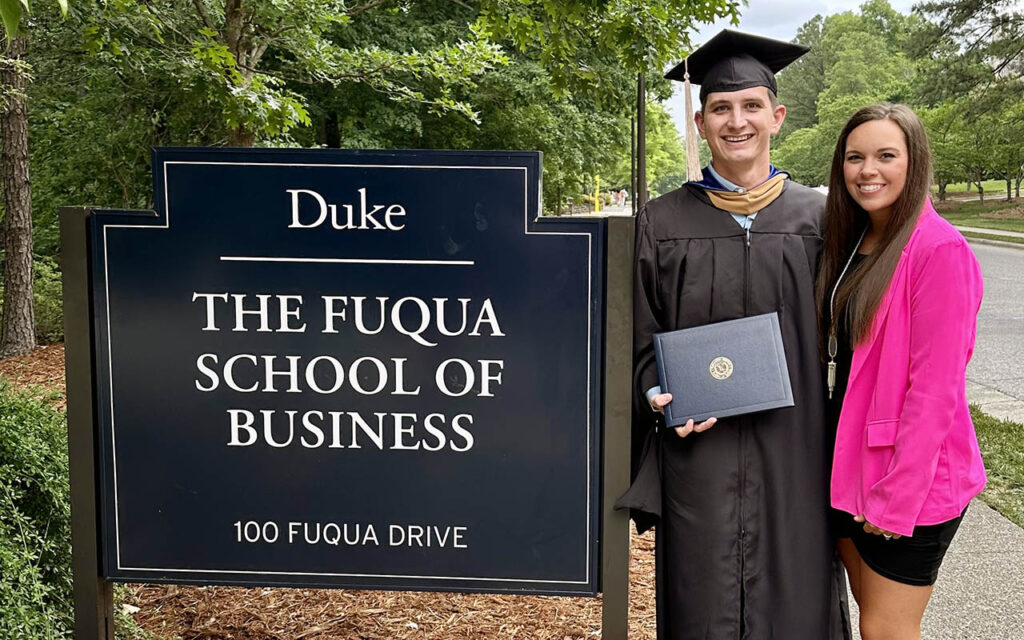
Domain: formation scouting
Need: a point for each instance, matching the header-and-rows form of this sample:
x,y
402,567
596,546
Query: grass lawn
x,y
1002,447
993,187
974,214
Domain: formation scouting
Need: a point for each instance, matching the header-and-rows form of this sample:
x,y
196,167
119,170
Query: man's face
x,y
738,126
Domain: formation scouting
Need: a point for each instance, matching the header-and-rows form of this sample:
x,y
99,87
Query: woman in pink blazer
x,y
899,291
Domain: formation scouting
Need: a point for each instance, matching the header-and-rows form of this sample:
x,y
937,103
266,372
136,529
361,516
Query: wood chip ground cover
x,y
234,613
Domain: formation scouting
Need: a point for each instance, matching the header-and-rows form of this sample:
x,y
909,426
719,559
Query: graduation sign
x,y
358,369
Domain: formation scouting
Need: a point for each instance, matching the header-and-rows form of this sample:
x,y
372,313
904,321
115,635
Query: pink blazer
x,y
906,452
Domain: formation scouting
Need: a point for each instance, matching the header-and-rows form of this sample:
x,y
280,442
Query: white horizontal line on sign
x,y
460,263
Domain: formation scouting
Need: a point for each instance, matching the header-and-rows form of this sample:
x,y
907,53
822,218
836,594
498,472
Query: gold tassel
x,y
693,172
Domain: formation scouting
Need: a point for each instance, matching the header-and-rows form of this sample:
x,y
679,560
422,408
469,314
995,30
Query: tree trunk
x,y
981,193
1009,190
18,330
241,137
942,192
332,133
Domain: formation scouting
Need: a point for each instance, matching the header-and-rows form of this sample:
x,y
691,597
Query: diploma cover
x,y
723,369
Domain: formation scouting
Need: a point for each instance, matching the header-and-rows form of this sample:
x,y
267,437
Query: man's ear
x,y
779,116
698,119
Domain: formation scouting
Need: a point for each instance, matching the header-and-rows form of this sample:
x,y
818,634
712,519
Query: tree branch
x,y
201,10
372,4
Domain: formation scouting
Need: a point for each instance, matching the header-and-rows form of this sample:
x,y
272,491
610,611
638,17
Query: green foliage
x,y
35,524
807,155
666,155
121,76
974,47
35,520
636,35
970,103
855,60
46,299
244,59
10,13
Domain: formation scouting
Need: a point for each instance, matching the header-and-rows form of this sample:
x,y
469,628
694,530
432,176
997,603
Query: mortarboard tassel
x,y
693,172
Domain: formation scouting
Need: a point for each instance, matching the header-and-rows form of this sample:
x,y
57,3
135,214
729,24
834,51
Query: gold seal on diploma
x,y
721,368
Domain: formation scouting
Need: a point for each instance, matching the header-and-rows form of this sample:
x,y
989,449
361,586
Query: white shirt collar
x,y
731,186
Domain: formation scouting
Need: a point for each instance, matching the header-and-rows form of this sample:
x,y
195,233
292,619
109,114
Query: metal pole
x,y
632,162
641,142
94,597
618,367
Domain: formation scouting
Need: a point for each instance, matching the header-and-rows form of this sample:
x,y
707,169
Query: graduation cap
x,y
731,61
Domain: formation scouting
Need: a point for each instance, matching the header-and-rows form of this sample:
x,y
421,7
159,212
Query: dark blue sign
x,y
357,369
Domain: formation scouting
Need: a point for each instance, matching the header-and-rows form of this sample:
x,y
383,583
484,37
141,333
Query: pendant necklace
x,y
833,341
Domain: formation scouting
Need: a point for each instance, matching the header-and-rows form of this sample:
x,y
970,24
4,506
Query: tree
x,y
975,150
977,45
945,129
856,60
666,157
640,34
247,57
807,155
801,82
1008,159
130,90
17,328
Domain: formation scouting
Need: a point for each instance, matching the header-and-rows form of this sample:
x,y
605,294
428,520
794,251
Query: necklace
x,y
833,341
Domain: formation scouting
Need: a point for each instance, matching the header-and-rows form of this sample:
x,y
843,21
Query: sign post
x,y
94,601
616,458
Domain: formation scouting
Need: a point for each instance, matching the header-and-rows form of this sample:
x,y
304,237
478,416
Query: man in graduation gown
x,y
740,504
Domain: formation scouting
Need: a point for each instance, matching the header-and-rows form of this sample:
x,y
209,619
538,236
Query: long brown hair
x,y
861,292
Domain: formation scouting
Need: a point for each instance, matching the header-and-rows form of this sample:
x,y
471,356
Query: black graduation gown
x,y
743,547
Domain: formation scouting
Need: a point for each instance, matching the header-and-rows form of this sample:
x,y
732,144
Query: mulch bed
x,y
42,369
1016,213
223,613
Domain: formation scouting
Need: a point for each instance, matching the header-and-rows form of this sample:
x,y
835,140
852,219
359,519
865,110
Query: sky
x,y
778,19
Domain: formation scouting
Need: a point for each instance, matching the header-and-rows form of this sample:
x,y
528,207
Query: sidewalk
x,y
980,591
992,232
996,404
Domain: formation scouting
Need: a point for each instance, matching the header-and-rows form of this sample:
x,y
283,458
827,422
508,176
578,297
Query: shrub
x,y
35,520
47,299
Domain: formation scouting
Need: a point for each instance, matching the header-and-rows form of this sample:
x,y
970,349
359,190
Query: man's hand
x,y
878,531
658,402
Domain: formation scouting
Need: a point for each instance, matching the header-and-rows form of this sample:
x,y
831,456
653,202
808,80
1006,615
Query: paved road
x,y
997,369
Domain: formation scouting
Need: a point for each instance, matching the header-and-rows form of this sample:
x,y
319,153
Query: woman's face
x,y
875,165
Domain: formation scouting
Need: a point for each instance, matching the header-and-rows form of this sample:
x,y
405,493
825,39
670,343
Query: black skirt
x,y
913,560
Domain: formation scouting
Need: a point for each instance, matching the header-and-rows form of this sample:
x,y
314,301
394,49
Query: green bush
x,y
46,298
35,520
